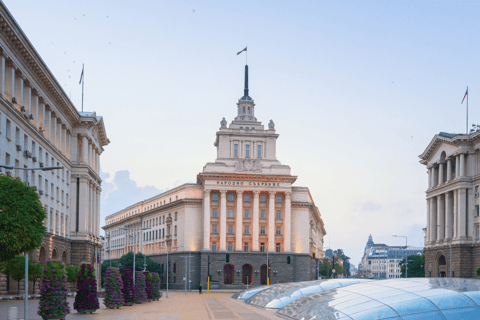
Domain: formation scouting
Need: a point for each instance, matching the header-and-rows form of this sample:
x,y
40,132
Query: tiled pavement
x,y
178,306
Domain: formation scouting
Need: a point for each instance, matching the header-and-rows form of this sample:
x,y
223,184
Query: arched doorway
x,y
228,272
43,255
442,266
64,257
54,254
264,274
247,274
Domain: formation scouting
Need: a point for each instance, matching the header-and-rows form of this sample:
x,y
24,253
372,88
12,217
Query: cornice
x,y
246,177
458,140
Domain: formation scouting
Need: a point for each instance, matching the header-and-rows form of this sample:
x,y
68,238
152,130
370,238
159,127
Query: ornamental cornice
x,y
246,177
457,141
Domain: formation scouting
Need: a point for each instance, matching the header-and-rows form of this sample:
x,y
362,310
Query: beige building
x,y
453,167
243,202
40,127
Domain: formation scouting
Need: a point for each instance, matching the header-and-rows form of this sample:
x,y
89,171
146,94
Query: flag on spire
x,y
466,94
241,51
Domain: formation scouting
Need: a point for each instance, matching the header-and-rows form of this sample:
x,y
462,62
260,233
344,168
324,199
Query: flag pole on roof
x,y
81,81
246,54
466,96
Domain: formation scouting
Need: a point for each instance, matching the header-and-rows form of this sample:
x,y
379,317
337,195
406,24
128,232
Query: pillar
x,y
288,222
462,213
41,117
462,165
271,222
457,166
455,213
48,122
449,170
9,82
256,223
433,220
98,211
449,215
428,220
206,220
2,76
53,133
19,89
35,110
440,173
223,220
84,150
434,176
60,136
27,99
440,217
83,206
239,221
429,178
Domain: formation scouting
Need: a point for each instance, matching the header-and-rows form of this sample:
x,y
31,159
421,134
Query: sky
x,y
357,90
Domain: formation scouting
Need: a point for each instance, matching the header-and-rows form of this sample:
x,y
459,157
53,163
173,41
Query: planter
x,y
83,311
62,317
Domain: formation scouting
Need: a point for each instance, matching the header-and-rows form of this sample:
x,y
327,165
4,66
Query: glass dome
x,y
415,298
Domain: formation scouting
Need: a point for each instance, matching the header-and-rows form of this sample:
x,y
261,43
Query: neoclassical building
x,y
244,204
40,127
453,166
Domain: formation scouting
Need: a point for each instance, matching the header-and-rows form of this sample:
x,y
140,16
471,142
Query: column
x,y
48,122
429,178
440,217
41,117
434,176
67,223
457,166
462,165
428,221
35,110
440,173
455,214
2,76
83,206
256,223
27,99
223,220
449,170
288,222
64,146
9,82
462,214
271,222
84,150
62,219
449,215
68,145
206,220
54,231
239,221
433,220
59,136
99,191
19,88
53,133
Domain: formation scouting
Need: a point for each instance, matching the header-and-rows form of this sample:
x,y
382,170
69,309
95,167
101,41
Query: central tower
x,y
245,105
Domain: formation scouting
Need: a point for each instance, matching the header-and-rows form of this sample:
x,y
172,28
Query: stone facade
x,y
41,128
243,203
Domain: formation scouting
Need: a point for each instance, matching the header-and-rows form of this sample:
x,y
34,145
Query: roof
x,y
456,139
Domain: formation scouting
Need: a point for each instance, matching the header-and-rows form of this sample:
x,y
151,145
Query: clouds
x,y
122,192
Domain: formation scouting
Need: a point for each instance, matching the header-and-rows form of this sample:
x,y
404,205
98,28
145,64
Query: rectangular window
x,y
230,197
278,247
40,150
263,198
8,133
259,152
477,210
214,246
263,214
278,230
17,136
175,231
214,213
25,142
279,198
230,247
262,229
214,196
33,149
247,198
7,159
247,151
214,228
262,247
246,229
247,214
245,246
235,150
230,229
278,214
230,213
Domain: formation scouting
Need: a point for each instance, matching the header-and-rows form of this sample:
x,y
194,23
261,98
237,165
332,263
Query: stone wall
x,y
465,260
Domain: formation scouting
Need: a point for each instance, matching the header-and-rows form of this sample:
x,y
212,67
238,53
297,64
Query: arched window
x,y
442,261
228,273
263,274
42,254
64,257
247,273
54,254
243,109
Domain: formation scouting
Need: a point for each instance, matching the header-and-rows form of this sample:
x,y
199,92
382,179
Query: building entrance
x,y
247,274
228,272
264,274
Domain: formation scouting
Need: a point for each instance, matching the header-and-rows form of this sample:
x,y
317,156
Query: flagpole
x,y
83,81
246,56
467,109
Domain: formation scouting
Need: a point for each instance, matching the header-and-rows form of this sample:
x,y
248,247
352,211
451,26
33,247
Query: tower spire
x,y
245,91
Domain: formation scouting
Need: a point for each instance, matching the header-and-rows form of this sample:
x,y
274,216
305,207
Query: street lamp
x,y
109,249
406,258
25,315
134,244
166,247
451,236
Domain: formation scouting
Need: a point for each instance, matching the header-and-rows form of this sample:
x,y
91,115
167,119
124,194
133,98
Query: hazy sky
x,y
357,89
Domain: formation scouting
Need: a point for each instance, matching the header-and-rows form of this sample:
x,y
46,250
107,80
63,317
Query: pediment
x,y
449,143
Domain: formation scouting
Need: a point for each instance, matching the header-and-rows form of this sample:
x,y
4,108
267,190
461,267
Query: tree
x,y
416,266
21,218
16,269
326,267
35,272
72,273
126,262
345,259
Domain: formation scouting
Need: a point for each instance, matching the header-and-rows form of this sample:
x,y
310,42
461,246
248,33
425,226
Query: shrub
x,y
478,272
53,291
140,287
72,273
113,288
128,290
86,298
155,285
149,284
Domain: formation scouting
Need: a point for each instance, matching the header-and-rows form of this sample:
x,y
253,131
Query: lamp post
x,y
134,244
166,247
406,258
109,249
451,236
25,315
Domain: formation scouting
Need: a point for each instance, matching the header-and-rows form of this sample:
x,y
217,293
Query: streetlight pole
x,y
451,237
406,258
134,244
109,249
166,247
25,314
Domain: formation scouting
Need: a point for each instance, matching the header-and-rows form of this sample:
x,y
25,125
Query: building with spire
x,y
243,210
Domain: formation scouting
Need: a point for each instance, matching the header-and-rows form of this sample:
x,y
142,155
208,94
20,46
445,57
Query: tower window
x,y
244,110
259,152
248,110
235,150
247,151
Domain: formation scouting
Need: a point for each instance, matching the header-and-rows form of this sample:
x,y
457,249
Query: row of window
x,y
247,151
230,197
155,205
246,229
156,221
246,214
246,247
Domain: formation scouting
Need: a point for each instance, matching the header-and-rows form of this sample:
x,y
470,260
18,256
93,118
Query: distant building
x,y
381,261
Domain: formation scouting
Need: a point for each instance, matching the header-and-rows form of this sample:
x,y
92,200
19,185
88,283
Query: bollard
x,y
12,313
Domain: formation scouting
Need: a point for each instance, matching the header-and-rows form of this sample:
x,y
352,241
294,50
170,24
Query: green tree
x,y
35,272
126,262
416,266
16,269
21,218
326,267
346,261
72,272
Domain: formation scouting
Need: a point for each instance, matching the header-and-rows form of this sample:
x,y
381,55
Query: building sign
x,y
249,183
